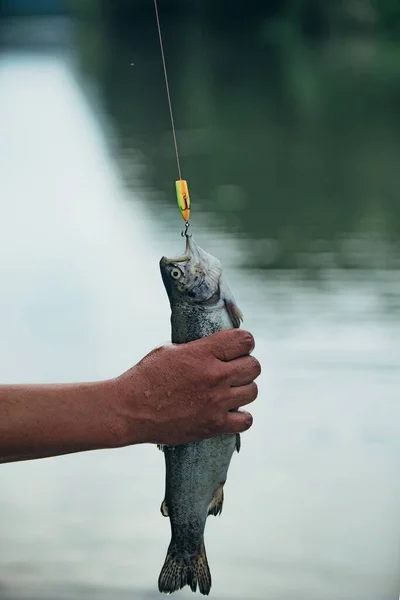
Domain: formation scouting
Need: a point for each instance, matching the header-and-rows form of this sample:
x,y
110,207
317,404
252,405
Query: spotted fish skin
x,y
201,304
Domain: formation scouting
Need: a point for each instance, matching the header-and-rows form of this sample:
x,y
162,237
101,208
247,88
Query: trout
x,y
201,304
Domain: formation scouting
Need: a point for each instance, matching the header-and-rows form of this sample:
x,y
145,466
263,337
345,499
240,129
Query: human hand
x,y
186,392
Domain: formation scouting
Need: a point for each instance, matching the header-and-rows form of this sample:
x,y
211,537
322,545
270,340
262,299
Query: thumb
x,y
230,344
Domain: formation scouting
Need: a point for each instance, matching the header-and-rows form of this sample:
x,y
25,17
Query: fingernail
x,y
250,338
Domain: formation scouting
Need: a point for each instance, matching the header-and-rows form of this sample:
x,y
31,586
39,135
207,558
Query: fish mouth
x,y
191,252
177,259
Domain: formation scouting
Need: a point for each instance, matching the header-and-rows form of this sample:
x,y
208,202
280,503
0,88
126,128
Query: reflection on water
x,y
291,161
293,147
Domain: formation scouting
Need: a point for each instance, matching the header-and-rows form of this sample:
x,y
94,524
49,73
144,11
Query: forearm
x,y
37,421
175,395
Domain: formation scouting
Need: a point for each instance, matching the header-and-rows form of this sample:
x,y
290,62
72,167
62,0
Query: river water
x,y
312,501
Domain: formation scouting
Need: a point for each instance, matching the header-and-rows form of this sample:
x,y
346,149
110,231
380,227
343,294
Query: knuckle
x,y
220,399
223,349
216,376
227,334
213,401
238,335
219,421
203,345
223,353
214,341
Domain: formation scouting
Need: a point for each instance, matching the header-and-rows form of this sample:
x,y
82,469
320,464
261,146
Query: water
x,y
312,500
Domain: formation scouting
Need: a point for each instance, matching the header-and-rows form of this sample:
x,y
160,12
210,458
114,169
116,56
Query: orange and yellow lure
x,y
182,195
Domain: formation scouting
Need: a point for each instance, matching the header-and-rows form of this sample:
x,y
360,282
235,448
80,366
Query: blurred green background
x,y
287,118
286,113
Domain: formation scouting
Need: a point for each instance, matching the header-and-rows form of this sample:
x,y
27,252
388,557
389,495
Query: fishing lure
x,y
182,194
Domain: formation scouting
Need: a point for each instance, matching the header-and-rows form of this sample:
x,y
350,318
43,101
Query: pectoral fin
x,y
164,509
238,442
217,502
234,312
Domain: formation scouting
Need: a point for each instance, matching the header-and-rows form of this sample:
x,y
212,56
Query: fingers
x,y
230,344
242,371
240,396
239,421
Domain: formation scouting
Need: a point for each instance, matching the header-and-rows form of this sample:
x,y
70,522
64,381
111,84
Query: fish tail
x,y
181,569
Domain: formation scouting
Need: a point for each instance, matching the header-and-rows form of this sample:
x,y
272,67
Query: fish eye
x,y
175,273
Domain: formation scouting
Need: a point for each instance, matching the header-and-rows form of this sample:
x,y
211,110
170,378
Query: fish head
x,y
193,277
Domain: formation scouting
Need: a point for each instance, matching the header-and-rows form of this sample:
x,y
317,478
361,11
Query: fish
x,y
201,303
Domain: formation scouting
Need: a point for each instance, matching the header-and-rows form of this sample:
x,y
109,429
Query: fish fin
x,y
238,442
181,569
234,312
164,509
217,502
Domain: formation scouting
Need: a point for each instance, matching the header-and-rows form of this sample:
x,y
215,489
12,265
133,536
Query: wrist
x,y
111,420
132,421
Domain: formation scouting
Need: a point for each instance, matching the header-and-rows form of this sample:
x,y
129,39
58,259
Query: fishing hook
x,y
185,233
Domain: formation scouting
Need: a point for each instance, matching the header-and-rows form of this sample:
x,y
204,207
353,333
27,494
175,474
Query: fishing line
x,y
167,86
182,192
